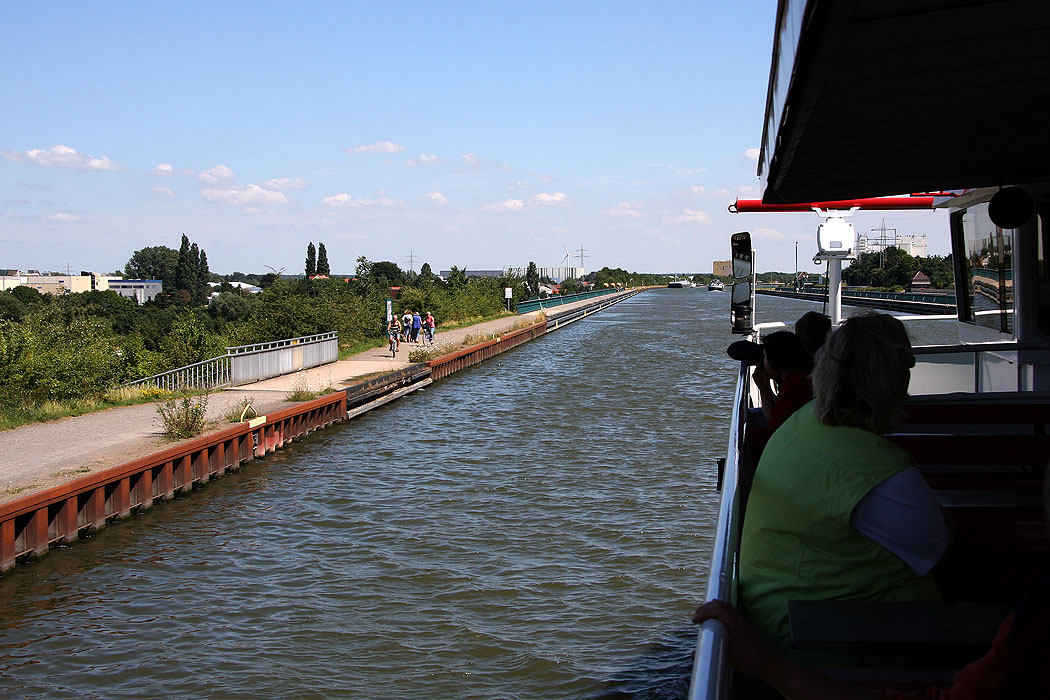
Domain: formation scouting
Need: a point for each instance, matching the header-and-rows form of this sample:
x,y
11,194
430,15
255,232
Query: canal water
x,y
534,527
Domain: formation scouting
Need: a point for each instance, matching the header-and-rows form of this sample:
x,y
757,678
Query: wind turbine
x,y
567,255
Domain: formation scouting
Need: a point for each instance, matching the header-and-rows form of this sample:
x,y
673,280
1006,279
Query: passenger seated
x,y
788,362
813,329
1015,666
837,511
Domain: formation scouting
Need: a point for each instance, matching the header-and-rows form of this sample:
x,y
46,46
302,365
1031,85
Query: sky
x,y
478,134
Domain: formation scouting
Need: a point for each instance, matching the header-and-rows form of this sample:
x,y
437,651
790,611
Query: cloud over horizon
x,y
344,200
377,147
61,157
246,196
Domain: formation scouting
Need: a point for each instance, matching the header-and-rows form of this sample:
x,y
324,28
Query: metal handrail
x,y
213,373
275,344
217,372
710,675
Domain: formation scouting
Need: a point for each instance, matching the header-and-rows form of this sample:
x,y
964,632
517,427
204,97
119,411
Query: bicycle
x,y
395,343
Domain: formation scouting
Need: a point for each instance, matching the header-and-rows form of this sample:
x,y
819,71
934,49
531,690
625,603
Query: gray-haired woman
x,y
837,511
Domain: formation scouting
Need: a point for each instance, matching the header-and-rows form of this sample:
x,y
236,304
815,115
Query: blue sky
x,y
482,135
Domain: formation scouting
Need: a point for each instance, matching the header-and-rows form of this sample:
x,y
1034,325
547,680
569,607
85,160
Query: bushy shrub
x,y
183,418
47,358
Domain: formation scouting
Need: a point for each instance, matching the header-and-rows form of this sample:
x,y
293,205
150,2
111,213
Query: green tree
x,y
50,357
311,260
185,268
532,280
153,263
204,275
11,308
457,278
189,342
387,274
322,261
230,307
570,285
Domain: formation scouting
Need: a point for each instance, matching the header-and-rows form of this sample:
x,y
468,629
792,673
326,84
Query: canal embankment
x,y
71,476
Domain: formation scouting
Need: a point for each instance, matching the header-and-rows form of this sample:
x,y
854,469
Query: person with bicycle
x,y
393,331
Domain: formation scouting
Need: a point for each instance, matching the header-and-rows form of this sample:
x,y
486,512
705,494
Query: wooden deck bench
x,y
961,631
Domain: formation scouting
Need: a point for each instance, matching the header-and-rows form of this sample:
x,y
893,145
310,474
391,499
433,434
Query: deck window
x,y
987,261
1043,261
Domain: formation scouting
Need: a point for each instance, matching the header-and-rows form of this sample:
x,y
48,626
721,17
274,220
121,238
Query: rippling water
x,y
535,527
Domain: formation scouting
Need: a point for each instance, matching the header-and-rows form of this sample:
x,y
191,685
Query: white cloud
x,y
505,205
436,198
721,193
752,153
217,175
768,234
250,195
285,183
344,200
163,191
625,209
690,216
549,198
61,157
699,191
377,147
164,169
471,160
423,159
351,237
748,191
62,218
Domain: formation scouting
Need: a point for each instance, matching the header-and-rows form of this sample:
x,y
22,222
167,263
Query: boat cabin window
x,y
1043,261
986,252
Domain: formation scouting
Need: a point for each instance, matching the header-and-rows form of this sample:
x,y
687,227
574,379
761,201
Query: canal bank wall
x,y
32,523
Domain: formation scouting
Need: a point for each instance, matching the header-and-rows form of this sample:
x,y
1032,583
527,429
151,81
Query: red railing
x,y
31,524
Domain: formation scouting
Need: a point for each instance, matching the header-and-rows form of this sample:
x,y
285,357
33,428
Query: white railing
x,y
248,363
200,376
710,675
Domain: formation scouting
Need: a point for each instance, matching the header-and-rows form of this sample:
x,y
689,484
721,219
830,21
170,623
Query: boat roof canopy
x,y
879,97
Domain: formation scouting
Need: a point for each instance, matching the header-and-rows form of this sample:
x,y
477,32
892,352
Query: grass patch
x,y
240,411
12,416
303,391
362,346
429,353
72,472
15,490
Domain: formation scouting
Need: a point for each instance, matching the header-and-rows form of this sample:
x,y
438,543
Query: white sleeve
x,y
902,515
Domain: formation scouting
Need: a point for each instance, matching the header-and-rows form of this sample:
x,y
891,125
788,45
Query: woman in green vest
x,y
837,511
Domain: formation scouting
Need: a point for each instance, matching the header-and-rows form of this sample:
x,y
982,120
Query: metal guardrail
x,y
204,375
248,363
531,305
710,675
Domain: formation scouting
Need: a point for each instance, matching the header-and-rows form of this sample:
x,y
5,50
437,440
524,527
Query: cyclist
x,y
393,331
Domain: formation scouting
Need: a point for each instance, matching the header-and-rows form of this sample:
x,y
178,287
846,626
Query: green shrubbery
x,y
76,347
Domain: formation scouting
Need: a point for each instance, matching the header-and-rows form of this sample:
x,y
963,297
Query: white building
x,y
914,245
139,290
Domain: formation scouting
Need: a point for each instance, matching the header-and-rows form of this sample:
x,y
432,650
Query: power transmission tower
x,y
581,257
411,264
883,238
